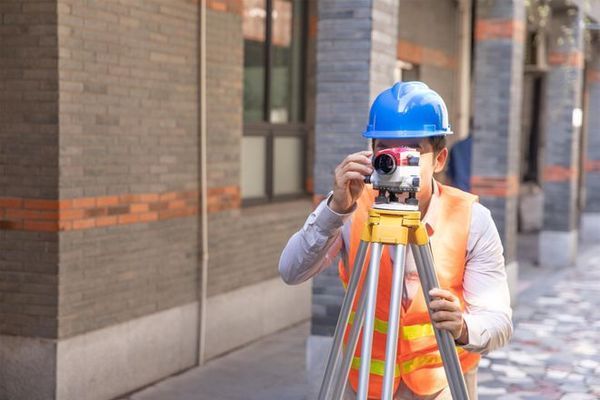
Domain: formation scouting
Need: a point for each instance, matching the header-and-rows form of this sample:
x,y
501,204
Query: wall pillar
x,y
558,239
590,229
499,47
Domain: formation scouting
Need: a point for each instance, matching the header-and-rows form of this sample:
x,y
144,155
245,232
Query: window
x,y
274,132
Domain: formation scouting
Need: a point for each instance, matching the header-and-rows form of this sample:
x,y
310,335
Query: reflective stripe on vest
x,y
408,332
378,366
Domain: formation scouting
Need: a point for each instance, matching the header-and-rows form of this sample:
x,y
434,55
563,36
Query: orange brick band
x,y
592,166
490,29
493,186
312,26
223,198
309,185
417,54
558,173
574,59
231,6
94,212
593,76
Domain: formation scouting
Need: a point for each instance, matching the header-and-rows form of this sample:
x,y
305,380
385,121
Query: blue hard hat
x,y
408,110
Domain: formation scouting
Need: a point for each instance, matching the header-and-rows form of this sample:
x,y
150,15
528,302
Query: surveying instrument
x,y
398,224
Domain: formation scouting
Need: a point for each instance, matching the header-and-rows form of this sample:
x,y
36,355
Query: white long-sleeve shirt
x,y
488,314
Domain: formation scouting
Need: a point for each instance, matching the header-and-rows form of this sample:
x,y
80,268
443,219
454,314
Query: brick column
x,y
558,239
591,216
499,35
356,56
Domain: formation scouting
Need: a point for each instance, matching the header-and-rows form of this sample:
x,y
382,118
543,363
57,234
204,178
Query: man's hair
x,y
438,143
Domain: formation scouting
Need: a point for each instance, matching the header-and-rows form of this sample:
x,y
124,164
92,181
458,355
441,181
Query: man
x,y
472,302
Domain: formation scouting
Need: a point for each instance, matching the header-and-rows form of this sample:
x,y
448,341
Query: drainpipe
x,y
203,192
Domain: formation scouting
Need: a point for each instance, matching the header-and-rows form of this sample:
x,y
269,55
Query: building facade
x,y
131,252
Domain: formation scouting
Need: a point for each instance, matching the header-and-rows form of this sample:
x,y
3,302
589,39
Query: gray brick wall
x,y
562,140
128,97
114,274
29,164
343,84
128,78
498,71
225,96
28,99
592,151
245,245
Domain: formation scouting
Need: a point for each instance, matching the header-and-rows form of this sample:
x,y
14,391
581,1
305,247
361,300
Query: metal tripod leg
x,y
340,328
367,340
426,270
341,376
391,346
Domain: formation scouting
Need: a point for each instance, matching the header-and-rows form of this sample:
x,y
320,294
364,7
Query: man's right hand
x,y
349,181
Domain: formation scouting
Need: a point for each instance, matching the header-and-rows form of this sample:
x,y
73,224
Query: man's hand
x,y
349,180
446,314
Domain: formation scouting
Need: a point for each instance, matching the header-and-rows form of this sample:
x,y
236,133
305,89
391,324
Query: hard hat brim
x,y
404,134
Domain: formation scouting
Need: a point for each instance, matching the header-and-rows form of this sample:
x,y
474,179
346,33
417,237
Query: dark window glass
x,y
254,27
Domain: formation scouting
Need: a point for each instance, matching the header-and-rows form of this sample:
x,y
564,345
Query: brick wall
x,y
128,77
562,139
244,242
224,53
29,165
498,73
592,150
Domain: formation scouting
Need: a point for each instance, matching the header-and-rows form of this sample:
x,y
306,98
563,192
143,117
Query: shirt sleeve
x,y
488,313
315,246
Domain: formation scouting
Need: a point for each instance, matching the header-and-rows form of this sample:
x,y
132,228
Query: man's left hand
x,y
446,314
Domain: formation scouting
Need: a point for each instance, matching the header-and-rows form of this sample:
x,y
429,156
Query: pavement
x,y
554,352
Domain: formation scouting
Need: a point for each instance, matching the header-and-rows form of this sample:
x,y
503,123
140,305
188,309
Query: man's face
x,y
429,164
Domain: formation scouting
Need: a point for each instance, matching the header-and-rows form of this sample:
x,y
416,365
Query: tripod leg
x,y
341,375
426,270
365,353
340,328
393,322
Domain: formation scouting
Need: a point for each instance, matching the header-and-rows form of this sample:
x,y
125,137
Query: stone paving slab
x,y
554,352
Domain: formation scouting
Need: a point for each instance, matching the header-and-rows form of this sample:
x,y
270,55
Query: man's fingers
x,y
443,294
351,175
362,158
357,167
443,305
449,326
442,316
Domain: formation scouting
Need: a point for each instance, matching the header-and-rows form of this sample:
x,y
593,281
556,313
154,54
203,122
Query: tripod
x,y
399,225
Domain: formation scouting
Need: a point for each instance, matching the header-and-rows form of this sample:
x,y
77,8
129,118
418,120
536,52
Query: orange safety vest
x,y
418,362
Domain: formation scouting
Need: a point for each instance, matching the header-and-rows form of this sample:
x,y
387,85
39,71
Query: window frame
x,y
270,130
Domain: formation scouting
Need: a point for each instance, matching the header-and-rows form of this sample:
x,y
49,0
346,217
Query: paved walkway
x,y
555,349
554,353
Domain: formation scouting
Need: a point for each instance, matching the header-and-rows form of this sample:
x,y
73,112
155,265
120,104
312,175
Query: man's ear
x,y
440,160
